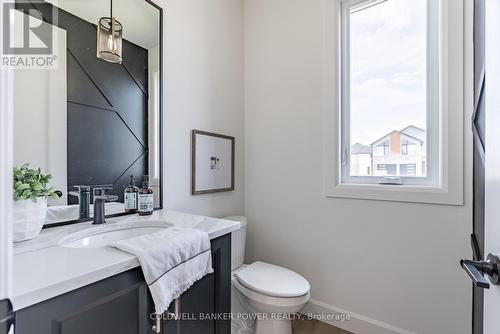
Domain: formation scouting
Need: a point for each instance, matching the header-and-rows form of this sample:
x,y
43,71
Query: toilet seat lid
x,y
272,280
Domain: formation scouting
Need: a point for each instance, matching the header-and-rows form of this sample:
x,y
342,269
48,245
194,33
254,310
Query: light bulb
x,y
111,43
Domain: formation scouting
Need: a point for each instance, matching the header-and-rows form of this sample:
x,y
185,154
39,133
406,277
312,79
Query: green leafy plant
x,y
31,184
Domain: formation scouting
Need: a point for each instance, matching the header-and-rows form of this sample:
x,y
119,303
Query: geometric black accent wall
x,y
107,107
107,113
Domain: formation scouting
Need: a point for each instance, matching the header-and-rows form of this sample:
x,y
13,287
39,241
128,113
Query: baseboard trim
x,y
357,323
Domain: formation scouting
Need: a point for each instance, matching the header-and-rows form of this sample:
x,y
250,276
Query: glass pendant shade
x,y
109,40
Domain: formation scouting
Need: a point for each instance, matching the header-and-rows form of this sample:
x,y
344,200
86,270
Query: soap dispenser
x,y
130,196
145,198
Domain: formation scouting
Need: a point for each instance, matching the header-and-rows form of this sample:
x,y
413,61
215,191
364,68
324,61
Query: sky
x,y
388,69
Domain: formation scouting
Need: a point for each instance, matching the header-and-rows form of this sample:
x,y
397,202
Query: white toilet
x,y
262,295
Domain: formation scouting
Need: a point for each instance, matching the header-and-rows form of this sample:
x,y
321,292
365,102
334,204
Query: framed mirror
x,y
92,124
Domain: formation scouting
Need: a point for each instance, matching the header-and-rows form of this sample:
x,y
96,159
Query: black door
x,y
6,316
479,147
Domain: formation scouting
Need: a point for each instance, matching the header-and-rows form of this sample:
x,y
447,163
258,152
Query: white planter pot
x,y
29,217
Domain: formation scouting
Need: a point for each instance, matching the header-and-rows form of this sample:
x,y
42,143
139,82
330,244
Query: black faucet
x,y
100,199
99,211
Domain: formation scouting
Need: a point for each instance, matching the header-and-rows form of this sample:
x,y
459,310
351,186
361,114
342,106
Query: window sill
x,y
398,193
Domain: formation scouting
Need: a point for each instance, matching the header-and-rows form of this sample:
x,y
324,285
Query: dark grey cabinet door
x,y
206,306
198,305
120,304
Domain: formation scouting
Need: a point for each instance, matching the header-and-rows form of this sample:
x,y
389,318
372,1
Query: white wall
x,y
40,121
393,265
203,75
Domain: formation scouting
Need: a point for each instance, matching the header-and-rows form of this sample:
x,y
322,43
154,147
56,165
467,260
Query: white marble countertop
x,y
43,269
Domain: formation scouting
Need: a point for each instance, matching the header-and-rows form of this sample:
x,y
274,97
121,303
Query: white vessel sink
x,y
101,236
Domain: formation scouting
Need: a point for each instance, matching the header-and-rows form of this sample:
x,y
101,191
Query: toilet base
x,y
272,314
273,327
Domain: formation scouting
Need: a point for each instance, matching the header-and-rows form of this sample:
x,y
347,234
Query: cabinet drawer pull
x,y
172,315
157,326
177,309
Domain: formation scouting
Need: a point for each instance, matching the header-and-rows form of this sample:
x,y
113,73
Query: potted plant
x,y
31,191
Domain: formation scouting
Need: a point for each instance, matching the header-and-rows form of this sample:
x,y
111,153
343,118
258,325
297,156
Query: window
x,y
382,149
372,91
408,148
390,85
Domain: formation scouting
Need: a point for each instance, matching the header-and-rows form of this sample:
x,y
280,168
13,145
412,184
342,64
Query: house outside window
x,y
407,147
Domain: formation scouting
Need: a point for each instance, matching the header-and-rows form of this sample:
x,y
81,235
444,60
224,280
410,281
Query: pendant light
x,y
109,38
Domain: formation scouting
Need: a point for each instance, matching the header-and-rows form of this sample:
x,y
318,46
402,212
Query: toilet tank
x,y
238,242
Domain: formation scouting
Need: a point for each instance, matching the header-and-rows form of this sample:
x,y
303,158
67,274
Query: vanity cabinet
x,y
122,304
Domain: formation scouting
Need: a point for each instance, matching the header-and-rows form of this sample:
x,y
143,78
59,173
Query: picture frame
x,y
212,162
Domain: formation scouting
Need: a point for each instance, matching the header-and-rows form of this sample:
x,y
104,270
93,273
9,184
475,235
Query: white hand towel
x,y
172,260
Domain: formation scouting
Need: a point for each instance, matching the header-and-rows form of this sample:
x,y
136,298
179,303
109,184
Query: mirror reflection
x,y
92,120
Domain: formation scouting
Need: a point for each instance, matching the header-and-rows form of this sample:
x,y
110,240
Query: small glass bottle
x,y
145,198
130,197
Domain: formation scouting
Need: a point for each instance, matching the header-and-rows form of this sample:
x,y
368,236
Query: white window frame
x,y
455,102
433,177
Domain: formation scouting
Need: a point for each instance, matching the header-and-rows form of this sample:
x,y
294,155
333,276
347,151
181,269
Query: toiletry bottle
x,y
145,198
130,196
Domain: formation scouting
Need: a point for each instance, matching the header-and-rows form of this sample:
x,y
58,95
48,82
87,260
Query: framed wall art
x,y
212,162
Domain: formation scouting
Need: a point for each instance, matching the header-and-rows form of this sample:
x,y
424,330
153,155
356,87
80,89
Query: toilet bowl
x,y
264,296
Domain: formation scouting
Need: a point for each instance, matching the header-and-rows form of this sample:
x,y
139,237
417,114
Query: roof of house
x,y
414,132
361,149
410,131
